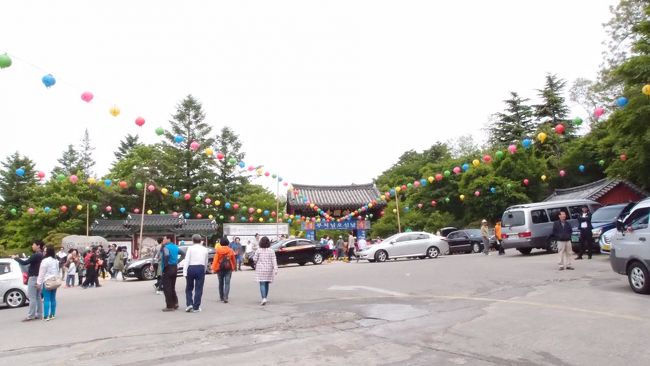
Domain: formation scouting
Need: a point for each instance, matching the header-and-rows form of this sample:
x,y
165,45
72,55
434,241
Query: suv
x,y
603,220
630,248
530,225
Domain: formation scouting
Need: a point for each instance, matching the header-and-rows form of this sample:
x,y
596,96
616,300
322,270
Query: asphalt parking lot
x,y
454,310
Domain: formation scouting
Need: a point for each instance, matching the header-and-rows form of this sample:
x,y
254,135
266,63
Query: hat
x,y
484,221
196,238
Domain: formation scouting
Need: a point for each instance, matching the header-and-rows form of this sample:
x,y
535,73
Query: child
x,y
72,271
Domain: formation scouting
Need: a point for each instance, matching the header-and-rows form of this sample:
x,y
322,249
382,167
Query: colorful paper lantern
x,y
542,137
559,129
114,111
139,121
5,61
160,131
646,89
48,80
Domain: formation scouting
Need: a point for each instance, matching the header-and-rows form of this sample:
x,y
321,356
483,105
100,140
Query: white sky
x,y
320,92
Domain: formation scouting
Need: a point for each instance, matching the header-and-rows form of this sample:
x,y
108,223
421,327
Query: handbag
x,y
53,283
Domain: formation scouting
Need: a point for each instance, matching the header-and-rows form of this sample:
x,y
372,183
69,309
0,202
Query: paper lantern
x,y
477,193
48,80
114,111
542,137
160,131
20,172
139,121
5,61
194,146
63,208
73,179
80,207
123,184
476,162
208,151
646,89
87,96
91,180
543,178
217,203
149,212
577,121
559,129
512,149
623,157
40,175
30,211
179,139
187,196
151,188
164,191
526,182
562,173
108,208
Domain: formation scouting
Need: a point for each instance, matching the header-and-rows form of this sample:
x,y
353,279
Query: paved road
x,y
454,310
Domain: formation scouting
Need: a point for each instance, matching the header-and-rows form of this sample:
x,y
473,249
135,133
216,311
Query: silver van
x,y
630,249
530,225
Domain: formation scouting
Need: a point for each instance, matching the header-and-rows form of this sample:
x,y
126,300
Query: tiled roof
x,y
332,197
592,191
154,223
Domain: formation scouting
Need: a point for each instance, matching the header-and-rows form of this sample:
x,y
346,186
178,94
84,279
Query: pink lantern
x,y
420,205
175,214
457,170
109,208
526,181
136,210
151,188
187,196
208,201
87,96
250,219
251,210
487,158
235,206
139,121
477,193
273,213
251,168
416,183
220,156
199,216
266,174
598,112
433,204
30,211
438,177
285,184
512,149
562,173
232,218
623,157
41,175
63,208
194,146
74,179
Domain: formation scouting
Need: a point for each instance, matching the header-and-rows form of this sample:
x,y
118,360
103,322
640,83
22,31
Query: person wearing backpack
x,y
223,264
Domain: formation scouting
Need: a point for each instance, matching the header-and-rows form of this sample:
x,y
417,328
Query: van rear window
x,y
513,218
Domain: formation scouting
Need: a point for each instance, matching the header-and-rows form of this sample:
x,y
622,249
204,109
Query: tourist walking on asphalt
x,y
48,280
33,291
196,262
586,235
223,264
485,235
266,267
90,263
110,258
169,272
499,237
236,247
562,233
118,265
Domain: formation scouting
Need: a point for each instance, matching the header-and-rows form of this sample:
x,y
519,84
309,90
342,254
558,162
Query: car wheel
x,y
476,248
639,278
318,258
551,246
525,251
148,273
15,298
433,252
302,263
381,256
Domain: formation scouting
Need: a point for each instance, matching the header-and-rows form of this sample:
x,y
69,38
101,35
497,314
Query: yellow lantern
x,y
394,210
398,188
370,205
217,203
543,178
259,211
210,217
311,205
541,137
92,180
208,151
261,219
80,207
430,179
291,217
114,111
260,171
462,197
476,162
382,197
164,191
149,212
646,89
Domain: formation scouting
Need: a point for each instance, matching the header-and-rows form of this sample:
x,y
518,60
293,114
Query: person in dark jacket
x,y
562,234
33,290
586,236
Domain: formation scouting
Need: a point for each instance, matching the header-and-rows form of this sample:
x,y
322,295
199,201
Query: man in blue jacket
x,y
169,271
562,234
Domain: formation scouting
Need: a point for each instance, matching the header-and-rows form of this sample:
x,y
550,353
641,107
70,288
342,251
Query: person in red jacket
x,y
223,264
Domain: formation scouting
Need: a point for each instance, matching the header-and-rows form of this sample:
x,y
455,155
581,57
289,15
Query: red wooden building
x,y
605,191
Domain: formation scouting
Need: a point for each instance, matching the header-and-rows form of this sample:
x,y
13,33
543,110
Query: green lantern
x,y
447,199
162,212
232,161
220,217
197,198
508,185
577,121
139,185
5,61
160,131
447,173
499,154
601,162
94,207
60,177
13,211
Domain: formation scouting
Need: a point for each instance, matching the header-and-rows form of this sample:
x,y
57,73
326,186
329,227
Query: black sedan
x,y
298,251
467,241
145,269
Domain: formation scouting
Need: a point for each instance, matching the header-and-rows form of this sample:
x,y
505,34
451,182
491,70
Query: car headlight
x,y
596,232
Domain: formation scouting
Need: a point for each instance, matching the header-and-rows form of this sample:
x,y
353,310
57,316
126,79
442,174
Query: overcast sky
x,y
320,92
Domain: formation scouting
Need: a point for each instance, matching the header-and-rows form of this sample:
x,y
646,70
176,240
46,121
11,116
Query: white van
x,y
630,248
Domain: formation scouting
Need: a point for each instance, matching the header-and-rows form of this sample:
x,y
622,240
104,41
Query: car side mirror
x,y
391,242
620,226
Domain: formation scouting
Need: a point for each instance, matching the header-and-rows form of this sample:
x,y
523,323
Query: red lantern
x,y
63,209
623,157
438,177
433,203
559,129
139,121
198,216
123,184
187,196
526,181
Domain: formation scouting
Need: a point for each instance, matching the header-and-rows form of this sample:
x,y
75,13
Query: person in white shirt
x,y
49,269
72,271
196,261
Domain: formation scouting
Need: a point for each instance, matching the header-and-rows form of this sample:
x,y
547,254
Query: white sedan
x,y
13,290
404,245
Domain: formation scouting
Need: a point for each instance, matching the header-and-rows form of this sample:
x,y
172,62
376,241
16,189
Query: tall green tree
x,y
126,145
514,124
553,109
86,161
229,182
69,163
15,190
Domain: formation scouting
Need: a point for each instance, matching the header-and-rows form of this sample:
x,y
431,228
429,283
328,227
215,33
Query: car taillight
x,y
525,234
25,278
504,236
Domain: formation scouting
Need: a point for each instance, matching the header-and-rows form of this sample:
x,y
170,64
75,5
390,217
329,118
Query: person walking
x,y
90,263
157,259
118,264
586,235
350,246
49,274
196,262
266,267
101,263
169,272
562,234
485,235
238,249
33,291
62,256
339,247
110,258
499,237
223,265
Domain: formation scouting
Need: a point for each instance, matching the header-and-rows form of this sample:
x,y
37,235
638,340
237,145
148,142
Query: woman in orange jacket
x,y
223,264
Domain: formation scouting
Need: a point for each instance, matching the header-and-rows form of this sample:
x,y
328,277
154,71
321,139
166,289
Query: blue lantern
x,y
465,167
279,179
581,168
20,172
227,205
493,190
48,80
122,209
176,194
621,102
526,143
423,182
187,215
47,209
242,164
266,212
242,219
178,139
108,182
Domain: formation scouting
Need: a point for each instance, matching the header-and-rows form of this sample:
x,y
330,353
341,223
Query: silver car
x,y
13,291
404,245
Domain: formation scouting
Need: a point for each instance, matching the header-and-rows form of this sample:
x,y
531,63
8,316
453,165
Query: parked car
x,y
297,250
467,241
630,248
447,230
605,241
13,287
145,269
602,220
528,226
406,245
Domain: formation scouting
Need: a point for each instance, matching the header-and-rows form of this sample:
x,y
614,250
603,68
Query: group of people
x,y
344,249
226,261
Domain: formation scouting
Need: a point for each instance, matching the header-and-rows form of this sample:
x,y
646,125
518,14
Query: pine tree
x,y
86,161
126,145
70,163
191,170
15,190
553,109
514,124
229,182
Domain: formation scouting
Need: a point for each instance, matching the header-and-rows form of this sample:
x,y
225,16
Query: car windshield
x,y
513,218
607,214
278,244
